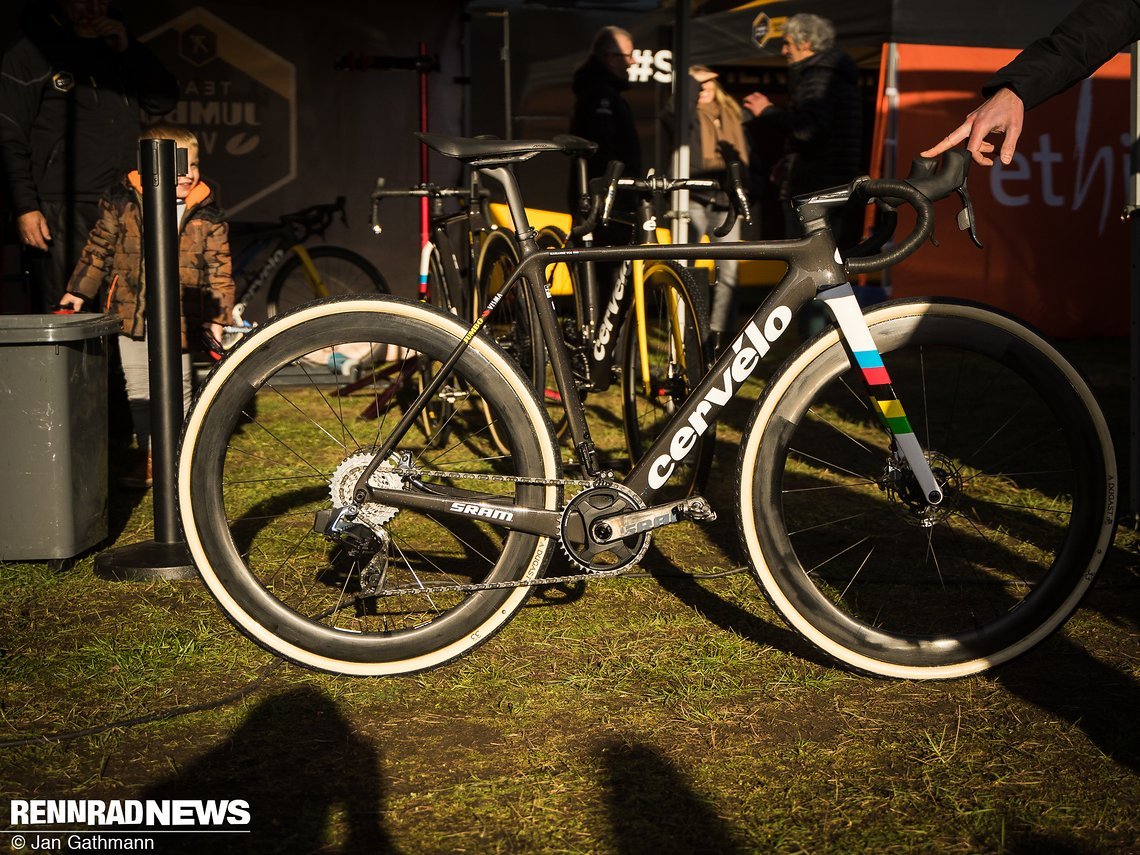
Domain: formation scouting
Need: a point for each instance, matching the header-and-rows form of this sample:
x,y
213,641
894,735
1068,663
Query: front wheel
x,y
341,271
283,429
845,546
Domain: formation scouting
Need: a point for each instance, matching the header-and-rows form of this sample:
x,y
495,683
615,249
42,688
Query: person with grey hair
x,y
601,114
822,124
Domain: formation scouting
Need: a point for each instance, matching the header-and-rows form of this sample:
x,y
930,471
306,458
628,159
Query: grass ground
x,y
660,714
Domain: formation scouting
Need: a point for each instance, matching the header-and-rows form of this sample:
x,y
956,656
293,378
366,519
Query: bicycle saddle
x,y
486,152
576,146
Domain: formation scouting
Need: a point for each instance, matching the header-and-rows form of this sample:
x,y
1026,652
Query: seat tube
x,y
535,280
587,278
506,177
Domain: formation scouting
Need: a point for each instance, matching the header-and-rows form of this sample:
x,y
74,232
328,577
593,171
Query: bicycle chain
x,y
487,476
494,586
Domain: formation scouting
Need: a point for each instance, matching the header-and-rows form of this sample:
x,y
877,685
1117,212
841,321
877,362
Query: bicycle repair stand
x,y
423,64
165,557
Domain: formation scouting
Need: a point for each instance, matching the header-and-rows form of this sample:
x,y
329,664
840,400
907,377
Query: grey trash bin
x,y
53,434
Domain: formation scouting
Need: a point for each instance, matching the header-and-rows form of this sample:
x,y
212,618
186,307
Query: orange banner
x,y
1056,251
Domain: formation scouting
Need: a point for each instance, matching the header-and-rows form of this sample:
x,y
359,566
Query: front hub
x,y
905,494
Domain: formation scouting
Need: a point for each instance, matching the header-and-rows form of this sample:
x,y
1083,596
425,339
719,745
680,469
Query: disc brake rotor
x,y
907,497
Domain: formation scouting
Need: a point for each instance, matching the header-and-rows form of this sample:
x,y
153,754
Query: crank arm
x,y
610,529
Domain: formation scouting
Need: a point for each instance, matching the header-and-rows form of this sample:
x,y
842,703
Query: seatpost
x,y
506,177
588,279
581,168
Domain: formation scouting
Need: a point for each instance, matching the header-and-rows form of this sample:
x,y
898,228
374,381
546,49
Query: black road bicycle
x,y
900,526
646,332
276,253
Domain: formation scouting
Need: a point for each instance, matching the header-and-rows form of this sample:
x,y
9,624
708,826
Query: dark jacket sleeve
x,y
97,258
809,118
1086,39
24,71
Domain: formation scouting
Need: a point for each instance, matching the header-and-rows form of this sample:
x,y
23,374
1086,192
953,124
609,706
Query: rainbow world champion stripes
x,y
891,411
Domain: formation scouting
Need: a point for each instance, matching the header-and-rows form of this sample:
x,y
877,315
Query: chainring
x,y
583,512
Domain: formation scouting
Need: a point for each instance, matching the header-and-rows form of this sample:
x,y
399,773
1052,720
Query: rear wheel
x,y
275,438
842,540
341,271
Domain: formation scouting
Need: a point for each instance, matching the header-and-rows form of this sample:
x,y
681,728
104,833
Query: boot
x,y
141,476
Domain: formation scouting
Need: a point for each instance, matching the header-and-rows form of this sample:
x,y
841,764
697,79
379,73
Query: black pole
x,y
682,111
164,329
166,556
1132,212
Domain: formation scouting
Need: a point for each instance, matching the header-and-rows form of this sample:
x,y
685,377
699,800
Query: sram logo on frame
x,y
482,511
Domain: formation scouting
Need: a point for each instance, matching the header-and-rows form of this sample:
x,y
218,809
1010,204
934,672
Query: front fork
x,y
845,309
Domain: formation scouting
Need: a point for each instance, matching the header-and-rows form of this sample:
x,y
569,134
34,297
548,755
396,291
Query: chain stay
x,y
407,472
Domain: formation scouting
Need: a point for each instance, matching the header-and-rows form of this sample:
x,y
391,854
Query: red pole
x,y
425,234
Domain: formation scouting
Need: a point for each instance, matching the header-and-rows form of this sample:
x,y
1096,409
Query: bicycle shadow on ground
x,y
653,808
724,614
1063,678
1060,676
304,772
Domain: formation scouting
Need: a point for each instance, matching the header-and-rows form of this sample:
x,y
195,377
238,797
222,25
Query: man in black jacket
x,y
601,114
1087,38
70,98
822,125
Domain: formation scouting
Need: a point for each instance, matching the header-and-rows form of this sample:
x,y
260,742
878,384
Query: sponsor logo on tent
x,y
239,97
768,32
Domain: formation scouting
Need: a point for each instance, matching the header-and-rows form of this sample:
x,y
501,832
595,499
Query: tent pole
x,y
1132,212
681,110
891,137
505,56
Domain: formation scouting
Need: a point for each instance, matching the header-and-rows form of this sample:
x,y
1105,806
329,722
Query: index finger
x,y
950,140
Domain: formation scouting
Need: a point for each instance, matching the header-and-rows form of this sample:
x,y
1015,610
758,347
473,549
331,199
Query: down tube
x,y
701,409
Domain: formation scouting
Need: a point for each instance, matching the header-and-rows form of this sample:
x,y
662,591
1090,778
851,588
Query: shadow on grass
x,y
1064,678
1060,676
724,614
306,776
653,808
